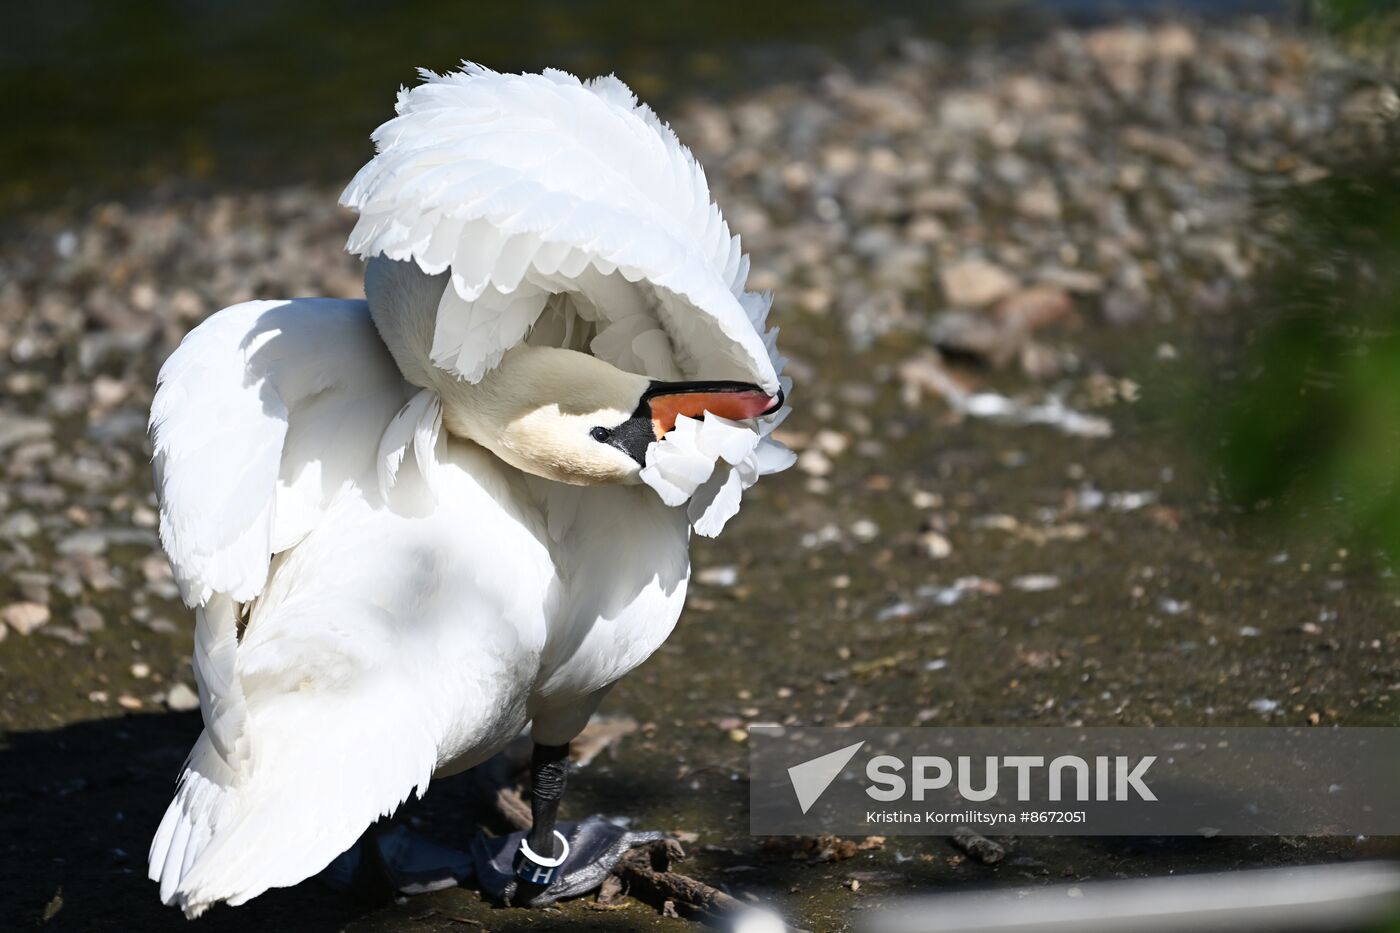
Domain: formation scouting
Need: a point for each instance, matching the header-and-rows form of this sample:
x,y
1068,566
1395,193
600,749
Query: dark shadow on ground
x,y
78,806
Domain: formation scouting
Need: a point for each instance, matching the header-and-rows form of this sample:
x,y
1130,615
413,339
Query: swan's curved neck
x,y
534,409
403,302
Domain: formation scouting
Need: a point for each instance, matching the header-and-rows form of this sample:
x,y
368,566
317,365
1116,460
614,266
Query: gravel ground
x,y
990,268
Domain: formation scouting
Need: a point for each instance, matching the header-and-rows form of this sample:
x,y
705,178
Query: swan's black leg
x,y
542,851
373,880
549,772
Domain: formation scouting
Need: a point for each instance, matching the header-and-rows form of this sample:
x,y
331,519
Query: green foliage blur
x,y
1313,426
1312,429
1369,27
1348,15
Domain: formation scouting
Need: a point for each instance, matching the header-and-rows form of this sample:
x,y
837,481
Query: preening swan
x,y
413,525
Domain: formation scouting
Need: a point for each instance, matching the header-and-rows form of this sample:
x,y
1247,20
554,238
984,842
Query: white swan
x,y
411,526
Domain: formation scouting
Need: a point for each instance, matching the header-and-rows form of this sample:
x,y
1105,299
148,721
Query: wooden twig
x,y
646,871
648,875
499,785
513,809
979,847
451,918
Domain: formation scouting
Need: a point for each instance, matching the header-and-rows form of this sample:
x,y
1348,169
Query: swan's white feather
x,y
264,419
376,601
235,484
529,186
384,631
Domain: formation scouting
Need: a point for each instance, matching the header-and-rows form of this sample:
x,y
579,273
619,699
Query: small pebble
x,y
831,443
65,634
813,462
181,699
19,525
1036,582
865,530
934,545
25,617
975,283
88,619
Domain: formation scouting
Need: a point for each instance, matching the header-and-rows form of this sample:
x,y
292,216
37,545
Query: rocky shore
x,y
989,204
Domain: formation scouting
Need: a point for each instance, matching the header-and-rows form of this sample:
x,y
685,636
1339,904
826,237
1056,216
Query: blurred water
x,y
113,99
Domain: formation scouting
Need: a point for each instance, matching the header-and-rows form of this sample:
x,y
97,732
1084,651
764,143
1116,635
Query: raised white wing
x,y
263,415
568,214
270,417
248,429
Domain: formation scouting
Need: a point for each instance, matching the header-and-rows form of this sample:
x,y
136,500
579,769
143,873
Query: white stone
x,y
182,699
25,617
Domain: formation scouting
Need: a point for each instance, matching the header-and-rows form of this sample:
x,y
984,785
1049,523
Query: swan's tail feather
x,y
232,833
205,800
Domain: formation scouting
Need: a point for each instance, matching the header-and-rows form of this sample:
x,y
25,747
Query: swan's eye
x,y
601,435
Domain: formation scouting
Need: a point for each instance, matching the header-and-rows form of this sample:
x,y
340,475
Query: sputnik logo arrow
x,y
811,778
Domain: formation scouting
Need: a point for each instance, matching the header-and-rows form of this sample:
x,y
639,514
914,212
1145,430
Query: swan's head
x,y
571,417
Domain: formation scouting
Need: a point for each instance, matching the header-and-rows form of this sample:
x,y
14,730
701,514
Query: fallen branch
x,y
511,806
981,848
646,871
646,874
499,786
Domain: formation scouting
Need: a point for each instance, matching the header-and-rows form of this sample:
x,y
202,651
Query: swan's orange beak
x,y
737,401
